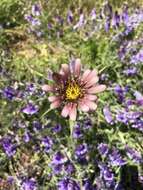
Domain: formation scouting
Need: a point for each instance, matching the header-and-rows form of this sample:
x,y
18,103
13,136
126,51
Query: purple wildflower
x,y
68,184
36,10
87,124
59,158
81,150
27,136
116,159
139,98
30,109
47,143
80,23
138,58
9,93
8,146
130,71
29,184
107,24
106,173
120,92
108,115
37,126
69,168
125,15
116,20
77,133
133,155
93,14
69,17
57,169
103,149
10,180
57,128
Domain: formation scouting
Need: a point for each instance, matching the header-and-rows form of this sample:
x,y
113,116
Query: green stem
x,y
71,124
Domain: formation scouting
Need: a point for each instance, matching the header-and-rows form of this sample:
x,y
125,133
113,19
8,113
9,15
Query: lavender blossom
x,y
9,93
68,184
47,142
93,14
30,109
8,146
80,23
29,184
36,10
69,17
103,149
59,158
116,159
108,115
134,155
81,150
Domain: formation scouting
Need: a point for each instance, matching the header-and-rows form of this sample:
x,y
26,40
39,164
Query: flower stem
x,y
71,125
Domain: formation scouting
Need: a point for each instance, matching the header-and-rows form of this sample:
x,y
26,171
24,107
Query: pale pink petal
x,y
66,110
53,98
91,97
85,74
73,112
83,106
92,74
77,68
47,88
96,89
55,104
91,105
92,82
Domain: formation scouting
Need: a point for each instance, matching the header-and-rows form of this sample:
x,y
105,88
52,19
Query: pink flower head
x,y
72,90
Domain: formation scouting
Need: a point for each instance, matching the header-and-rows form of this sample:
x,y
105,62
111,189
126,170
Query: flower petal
x,y
48,88
92,81
55,104
77,68
53,98
92,105
96,89
73,112
83,106
66,110
85,74
92,74
91,97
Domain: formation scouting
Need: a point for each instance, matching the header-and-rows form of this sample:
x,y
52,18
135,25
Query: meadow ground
x,y
71,95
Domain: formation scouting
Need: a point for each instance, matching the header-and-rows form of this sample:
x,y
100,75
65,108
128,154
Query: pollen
x,y
73,91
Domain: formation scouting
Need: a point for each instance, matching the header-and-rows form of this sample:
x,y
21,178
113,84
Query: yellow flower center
x,y
73,91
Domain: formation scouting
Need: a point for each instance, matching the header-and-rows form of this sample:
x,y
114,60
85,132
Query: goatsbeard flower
x,y
73,90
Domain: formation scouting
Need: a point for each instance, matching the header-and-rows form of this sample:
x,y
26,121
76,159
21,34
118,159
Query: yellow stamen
x,y
73,91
